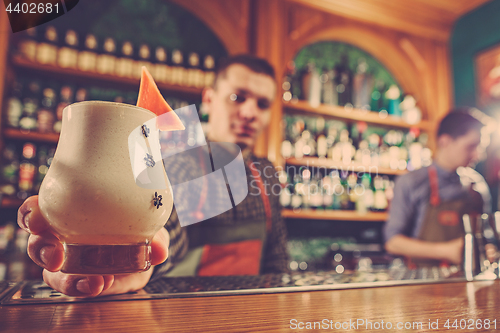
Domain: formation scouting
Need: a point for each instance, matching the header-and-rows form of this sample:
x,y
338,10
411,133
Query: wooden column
x,y
270,23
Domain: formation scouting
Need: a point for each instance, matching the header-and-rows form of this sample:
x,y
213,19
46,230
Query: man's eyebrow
x,y
247,92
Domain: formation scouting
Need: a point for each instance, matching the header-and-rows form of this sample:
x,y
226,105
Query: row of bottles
x,y
35,104
321,188
84,52
307,136
349,88
23,168
15,265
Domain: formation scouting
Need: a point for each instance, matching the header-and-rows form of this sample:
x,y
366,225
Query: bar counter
x,y
470,303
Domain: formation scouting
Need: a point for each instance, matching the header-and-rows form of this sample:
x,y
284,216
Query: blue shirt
x,y
412,195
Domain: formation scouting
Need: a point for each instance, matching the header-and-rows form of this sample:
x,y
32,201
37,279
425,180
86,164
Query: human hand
x,y
453,250
45,249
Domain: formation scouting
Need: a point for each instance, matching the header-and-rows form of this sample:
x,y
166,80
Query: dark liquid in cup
x,y
106,259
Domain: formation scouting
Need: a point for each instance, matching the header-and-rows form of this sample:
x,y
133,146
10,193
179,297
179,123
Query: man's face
x,y
462,151
239,106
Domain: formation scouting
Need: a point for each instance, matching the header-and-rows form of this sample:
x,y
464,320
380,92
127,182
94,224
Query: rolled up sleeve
x,y
402,210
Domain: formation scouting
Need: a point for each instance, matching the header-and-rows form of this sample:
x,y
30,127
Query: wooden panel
x,y
353,115
5,32
425,18
228,19
334,215
270,32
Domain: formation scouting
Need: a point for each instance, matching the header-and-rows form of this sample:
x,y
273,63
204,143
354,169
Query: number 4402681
x,y
33,8
471,324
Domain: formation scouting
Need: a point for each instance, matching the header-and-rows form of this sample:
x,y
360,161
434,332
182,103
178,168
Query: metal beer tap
x,y
475,261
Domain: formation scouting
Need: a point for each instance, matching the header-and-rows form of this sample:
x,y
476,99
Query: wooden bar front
x,y
472,304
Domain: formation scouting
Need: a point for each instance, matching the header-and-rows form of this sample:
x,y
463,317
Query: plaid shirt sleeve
x,y
177,248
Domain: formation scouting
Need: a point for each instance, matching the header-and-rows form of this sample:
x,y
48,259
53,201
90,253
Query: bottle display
x,y
356,144
36,105
321,188
87,53
339,74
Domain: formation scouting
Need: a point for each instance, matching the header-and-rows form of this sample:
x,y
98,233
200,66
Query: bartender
x,y
425,217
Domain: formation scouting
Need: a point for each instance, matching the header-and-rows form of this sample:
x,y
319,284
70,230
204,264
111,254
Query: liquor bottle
x,y
43,167
344,82
393,97
296,201
144,59
162,70
380,200
309,148
124,65
330,139
377,102
304,188
346,148
363,154
366,201
345,201
314,87
196,77
337,188
362,86
68,54
106,61
178,71
298,141
46,114
316,191
14,105
209,69
27,170
321,141
27,47
328,190
329,94
9,172
87,58
285,195
65,98
30,106
81,95
46,53
305,81
353,190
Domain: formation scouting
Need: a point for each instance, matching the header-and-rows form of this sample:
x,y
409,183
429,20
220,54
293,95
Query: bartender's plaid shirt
x,y
275,256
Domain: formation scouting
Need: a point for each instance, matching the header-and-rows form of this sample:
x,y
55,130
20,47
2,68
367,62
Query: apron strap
x,y
433,180
204,190
265,198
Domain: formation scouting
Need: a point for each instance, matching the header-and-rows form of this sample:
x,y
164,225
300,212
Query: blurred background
x,y
362,85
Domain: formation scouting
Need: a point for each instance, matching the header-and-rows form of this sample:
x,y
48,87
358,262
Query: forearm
x,y
416,248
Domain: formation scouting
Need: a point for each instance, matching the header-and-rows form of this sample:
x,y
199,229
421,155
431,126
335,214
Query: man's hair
x,y
255,64
460,121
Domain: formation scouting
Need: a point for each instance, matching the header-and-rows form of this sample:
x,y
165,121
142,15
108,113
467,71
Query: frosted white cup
x,y
90,197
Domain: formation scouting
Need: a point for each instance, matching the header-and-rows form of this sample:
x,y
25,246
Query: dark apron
x,y
219,249
443,220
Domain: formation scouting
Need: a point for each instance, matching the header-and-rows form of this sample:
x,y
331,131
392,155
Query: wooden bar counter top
x,y
472,304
